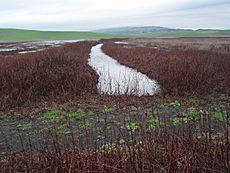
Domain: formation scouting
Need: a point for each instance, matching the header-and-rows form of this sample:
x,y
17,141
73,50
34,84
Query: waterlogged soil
x,y
133,44
18,132
30,47
96,127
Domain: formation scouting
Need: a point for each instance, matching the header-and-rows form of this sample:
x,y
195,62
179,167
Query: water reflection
x,y
118,79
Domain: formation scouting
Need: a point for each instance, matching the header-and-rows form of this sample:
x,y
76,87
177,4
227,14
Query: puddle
x,y
128,45
31,51
7,49
120,42
117,79
35,46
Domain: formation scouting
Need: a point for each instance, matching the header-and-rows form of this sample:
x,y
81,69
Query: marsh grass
x,y
55,74
165,137
179,72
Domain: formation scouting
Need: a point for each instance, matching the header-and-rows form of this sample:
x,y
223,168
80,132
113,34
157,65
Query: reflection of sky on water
x,y
115,78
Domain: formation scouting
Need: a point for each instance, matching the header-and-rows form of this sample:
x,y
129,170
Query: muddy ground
x,y
96,126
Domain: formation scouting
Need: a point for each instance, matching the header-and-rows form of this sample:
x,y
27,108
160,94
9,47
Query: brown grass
x,y
57,73
192,146
179,72
213,44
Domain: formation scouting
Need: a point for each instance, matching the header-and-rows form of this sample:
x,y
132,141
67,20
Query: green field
x,y
32,35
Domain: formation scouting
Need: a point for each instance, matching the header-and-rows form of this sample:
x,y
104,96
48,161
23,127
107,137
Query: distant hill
x,y
34,35
137,30
156,31
181,33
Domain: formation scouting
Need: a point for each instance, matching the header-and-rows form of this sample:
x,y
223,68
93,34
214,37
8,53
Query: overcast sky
x,y
95,14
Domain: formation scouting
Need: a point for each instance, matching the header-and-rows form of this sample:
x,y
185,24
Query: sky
x,y
90,15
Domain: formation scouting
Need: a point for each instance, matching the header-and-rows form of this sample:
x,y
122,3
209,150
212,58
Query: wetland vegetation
x,y
53,118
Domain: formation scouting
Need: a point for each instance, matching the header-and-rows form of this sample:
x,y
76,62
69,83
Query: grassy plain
x,y
33,35
9,35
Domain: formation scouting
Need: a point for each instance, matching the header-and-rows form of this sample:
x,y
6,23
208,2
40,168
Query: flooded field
x,y
30,47
115,78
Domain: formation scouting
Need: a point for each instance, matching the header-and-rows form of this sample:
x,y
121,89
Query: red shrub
x,y
60,72
178,72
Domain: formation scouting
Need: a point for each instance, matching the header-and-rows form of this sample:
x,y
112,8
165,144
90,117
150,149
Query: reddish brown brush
x,y
137,142
179,72
165,153
60,72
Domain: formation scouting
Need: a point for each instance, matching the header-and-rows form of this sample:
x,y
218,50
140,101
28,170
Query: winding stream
x,y
117,79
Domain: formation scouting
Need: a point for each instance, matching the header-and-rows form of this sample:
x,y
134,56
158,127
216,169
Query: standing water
x,y
118,79
30,47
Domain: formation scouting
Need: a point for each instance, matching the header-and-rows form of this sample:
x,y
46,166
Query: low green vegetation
x,y
175,104
53,116
24,127
79,114
134,109
153,122
220,115
108,110
132,127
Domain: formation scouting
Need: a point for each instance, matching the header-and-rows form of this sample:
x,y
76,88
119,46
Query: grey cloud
x,y
91,14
